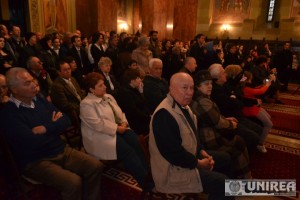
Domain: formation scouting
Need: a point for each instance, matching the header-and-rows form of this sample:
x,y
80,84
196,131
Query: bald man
x,y
178,162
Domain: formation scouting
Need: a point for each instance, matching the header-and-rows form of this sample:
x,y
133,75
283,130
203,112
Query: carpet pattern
x,y
285,134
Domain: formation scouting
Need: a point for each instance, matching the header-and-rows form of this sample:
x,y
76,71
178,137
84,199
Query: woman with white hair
x,y
111,83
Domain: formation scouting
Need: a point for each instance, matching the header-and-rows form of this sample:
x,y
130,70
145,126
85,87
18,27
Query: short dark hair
x,y
152,32
91,79
260,60
131,62
201,76
73,38
130,74
95,37
69,59
198,36
60,63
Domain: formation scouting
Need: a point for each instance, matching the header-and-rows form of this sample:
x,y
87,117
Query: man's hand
x,y
206,163
232,119
121,129
124,124
56,116
39,130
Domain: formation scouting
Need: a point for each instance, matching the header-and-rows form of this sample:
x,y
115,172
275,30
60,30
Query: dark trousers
x,y
130,152
250,132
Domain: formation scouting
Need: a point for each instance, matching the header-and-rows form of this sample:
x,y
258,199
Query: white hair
x,y
152,60
215,70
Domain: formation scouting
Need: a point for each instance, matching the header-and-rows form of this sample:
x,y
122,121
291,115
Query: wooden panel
x,y
136,15
107,15
86,16
185,16
147,15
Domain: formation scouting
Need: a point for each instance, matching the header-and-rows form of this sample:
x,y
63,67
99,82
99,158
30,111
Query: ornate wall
x,y
50,16
180,19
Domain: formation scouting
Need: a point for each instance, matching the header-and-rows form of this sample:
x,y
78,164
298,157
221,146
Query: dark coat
x,y
114,81
155,90
64,98
96,54
85,67
134,106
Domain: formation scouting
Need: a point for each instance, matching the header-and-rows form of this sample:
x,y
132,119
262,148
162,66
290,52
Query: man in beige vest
x,y
178,162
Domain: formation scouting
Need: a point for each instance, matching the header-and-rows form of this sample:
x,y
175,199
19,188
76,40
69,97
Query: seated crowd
x,y
196,102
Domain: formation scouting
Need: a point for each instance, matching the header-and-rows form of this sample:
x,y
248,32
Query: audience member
x,y
133,103
76,73
66,93
175,149
142,55
105,130
198,51
56,45
231,106
155,87
32,127
3,90
283,62
113,53
261,72
30,49
256,110
112,85
212,126
36,70
48,56
231,57
190,66
97,50
6,59
80,55
153,44
16,42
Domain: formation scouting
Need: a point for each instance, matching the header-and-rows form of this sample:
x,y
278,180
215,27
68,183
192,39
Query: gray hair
x,y
215,70
152,60
12,79
104,61
29,62
188,59
143,41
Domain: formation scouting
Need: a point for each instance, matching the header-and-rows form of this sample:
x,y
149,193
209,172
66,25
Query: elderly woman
x,y
212,126
142,55
112,85
105,131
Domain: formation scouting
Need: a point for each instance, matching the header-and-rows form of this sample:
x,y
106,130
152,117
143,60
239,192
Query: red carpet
x,y
276,165
285,121
293,102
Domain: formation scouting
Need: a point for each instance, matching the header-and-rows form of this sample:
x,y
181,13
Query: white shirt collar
x,y
19,103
